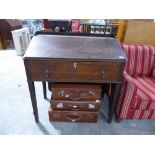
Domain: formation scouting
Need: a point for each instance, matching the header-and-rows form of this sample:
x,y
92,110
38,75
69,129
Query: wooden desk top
x,y
74,47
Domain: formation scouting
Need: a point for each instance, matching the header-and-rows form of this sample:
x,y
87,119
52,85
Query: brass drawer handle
x,y
47,72
103,74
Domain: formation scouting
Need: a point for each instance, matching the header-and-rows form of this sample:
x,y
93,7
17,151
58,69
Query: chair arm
x,y
129,81
127,93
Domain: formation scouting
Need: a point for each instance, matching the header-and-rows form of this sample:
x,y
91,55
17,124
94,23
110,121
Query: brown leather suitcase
x,y
72,116
82,105
76,92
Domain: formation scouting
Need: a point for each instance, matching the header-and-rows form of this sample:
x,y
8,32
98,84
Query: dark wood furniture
x,y
76,59
47,24
6,26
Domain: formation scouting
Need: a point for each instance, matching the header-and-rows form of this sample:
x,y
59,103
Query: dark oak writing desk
x,y
61,58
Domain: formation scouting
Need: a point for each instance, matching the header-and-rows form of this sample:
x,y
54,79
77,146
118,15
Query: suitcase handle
x,y
73,118
74,99
80,97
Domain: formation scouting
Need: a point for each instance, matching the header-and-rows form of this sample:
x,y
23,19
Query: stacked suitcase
x,y
75,103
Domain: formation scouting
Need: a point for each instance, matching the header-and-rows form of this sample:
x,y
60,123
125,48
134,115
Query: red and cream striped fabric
x,y
137,99
140,59
128,90
137,95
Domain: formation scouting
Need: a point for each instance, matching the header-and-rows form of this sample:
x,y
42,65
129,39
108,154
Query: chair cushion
x,y
145,96
140,59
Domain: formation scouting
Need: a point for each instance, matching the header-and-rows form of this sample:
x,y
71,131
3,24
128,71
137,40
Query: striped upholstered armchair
x,y
137,95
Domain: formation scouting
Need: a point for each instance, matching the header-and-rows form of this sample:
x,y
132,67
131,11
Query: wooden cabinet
x,y
74,59
6,26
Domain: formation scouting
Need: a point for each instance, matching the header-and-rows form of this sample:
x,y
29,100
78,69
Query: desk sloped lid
x,y
74,47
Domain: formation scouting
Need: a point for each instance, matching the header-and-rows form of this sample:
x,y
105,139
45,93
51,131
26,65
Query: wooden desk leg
x,y
44,90
113,100
33,100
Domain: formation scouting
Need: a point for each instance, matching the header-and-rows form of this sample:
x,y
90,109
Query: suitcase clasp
x,y
91,106
60,105
61,93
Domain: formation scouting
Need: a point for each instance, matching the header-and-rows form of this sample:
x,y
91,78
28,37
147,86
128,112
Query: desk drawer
x,y
75,71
